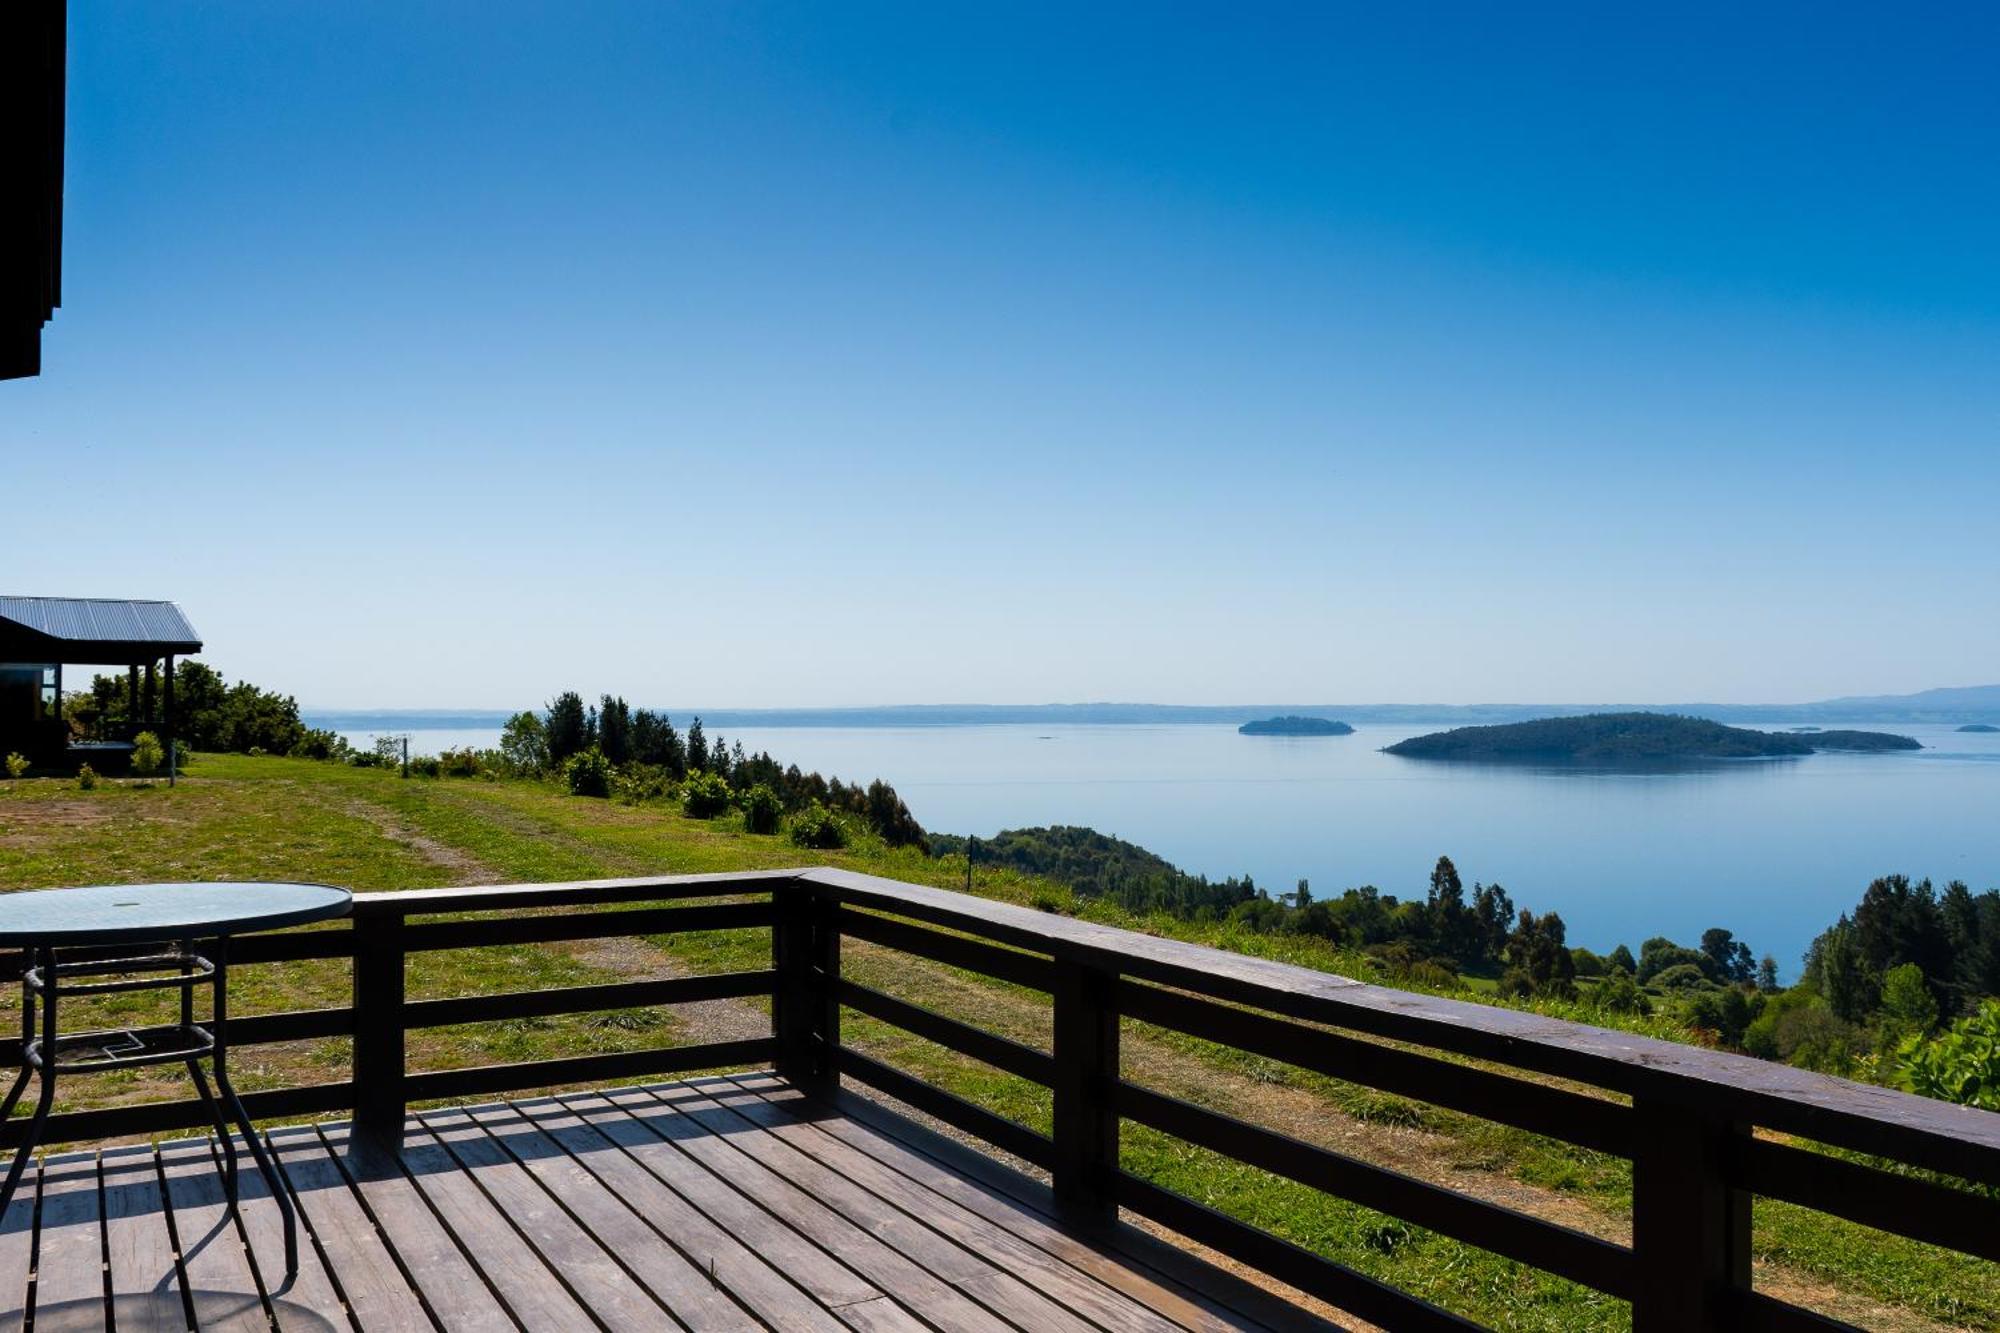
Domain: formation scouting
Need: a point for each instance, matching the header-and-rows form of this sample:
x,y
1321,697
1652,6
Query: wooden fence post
x,y
1086,1064
379,1101
1690,1230
805,1008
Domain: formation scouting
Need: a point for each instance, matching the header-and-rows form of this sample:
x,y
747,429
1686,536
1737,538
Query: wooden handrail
x,y
1686,1116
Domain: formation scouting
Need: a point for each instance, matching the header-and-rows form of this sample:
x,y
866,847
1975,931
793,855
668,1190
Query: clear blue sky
x,y
743,354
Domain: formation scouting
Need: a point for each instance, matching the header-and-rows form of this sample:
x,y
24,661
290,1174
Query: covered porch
x,y
41,636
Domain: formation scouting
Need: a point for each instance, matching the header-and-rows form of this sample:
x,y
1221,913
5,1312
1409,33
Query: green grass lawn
x,y
368,829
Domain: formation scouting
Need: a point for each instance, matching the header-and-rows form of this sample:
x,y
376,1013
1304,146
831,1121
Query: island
x,y
1296,726
1632,738
1981,727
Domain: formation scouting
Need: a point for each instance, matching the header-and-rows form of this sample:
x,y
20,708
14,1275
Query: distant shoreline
x,y
1953,706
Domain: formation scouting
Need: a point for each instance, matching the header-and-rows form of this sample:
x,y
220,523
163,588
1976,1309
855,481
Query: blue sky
x,y
739,355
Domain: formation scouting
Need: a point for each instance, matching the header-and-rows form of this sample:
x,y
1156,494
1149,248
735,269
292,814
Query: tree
x,y
524,743
1621,958
1729,958
567,727
697,747
1660,953
1493,912
1908,1007
1538,951
654,741
1454,931
1962,1065
1843,975
614,730
1899,922
1767,974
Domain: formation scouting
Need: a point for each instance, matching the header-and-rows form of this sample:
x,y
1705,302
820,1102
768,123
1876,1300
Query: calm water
x,y
1772,849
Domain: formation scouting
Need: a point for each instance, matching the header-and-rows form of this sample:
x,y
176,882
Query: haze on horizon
x,y
772,356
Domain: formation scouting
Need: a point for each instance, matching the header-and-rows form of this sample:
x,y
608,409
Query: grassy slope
x,y
240,817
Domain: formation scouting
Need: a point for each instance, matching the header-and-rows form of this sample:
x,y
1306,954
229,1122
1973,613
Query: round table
x,y
106,930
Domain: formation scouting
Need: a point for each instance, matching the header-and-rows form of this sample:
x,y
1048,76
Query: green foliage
x,y
818,829
86,778
697,747
567,729
148,756
655,743
17,765
524,743
1096,865
762,809
1588,964
614,730
587,773
459,763
1725,1011
1621,958
426,766
209,713
1682,976
1962,1064
1618,993
318,743
704,795
1660,953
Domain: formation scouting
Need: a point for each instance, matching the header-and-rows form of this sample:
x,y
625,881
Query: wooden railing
x,y
1687,1118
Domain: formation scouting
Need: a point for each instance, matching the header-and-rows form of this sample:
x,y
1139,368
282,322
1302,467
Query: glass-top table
x,y
133,937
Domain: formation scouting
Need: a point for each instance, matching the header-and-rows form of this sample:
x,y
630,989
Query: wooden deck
x,y
717,1203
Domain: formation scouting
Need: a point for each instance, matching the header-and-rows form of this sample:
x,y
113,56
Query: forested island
x,y
1982,727
1293,725
1632,737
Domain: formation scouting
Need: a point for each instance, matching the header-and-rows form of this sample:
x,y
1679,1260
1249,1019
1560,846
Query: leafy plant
x,y
459,763
588,773
1961,1064
704,795
762,809
17,765
818,828
148,756
86,778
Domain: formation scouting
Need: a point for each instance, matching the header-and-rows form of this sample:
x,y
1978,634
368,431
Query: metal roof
x,y
90,620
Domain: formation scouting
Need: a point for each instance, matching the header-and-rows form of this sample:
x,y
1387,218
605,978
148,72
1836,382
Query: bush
x,y
1962,1064
366,759
704,795
762,809
1619,994
588,773
317,743
17,766
460,763
1683,976
86,778
818,828
148,756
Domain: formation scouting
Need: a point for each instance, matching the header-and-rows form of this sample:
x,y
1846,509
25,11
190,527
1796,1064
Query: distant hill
x,y
1979,726
1629,738
1293,725
1979,703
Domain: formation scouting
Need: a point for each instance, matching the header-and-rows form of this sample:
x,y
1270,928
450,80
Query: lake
x,y
1772,849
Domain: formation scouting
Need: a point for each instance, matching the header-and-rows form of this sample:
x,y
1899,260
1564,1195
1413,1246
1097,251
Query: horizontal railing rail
x,y
1700,1126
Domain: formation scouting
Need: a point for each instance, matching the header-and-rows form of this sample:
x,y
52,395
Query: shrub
x,y
1619,994
426,766
148,756
704,795
17,765
460,763
366,759
318,743
86,778
818,828
1682,976
762,809
1962,1064
588,773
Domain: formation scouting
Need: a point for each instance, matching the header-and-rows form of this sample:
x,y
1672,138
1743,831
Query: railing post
x,y
379,1101
805,1008
1086,1060
1690,1230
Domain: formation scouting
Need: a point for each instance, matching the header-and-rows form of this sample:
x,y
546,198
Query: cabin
x,y
40,636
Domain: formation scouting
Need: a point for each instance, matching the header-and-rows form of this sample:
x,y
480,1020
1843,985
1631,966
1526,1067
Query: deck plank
x,y
219,1281
592,1275
534,1296
830,1281
1020,1202
302,1301
941,1303
978,1258
692,1295
747,1272
145,1276
17,1250
457,1296
1103,1304
362,1267
69,1269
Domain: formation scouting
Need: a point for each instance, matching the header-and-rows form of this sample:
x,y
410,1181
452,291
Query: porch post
x,y
167,721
